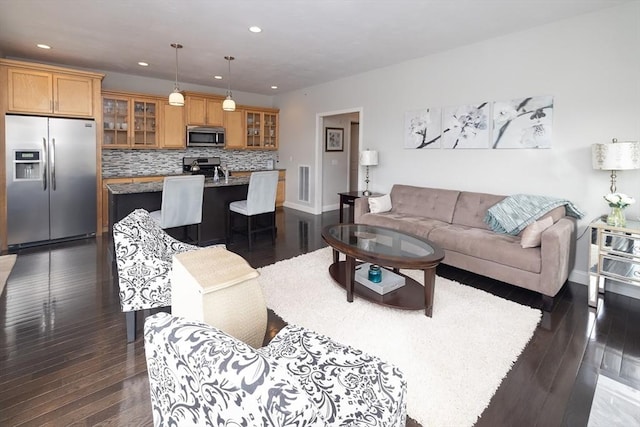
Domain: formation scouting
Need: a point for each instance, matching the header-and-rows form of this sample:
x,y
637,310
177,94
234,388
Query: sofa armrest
x,y
557,251
360,207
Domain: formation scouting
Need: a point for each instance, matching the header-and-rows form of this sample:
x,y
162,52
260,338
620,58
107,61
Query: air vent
x,y
303,183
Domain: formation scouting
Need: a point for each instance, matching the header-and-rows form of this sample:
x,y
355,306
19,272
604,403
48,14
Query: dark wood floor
x,y
65,361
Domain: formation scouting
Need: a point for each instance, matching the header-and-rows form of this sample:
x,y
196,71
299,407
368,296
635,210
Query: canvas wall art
x,y
466,126
523,123
422,128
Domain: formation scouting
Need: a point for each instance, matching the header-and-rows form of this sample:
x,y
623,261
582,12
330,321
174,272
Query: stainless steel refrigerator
x,y
51,179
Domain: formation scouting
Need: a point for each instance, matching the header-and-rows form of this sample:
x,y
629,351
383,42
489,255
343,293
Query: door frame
x,y
317,199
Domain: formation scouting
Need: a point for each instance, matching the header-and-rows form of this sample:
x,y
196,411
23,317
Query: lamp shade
x,y
369,158
229,104
176,98
616,156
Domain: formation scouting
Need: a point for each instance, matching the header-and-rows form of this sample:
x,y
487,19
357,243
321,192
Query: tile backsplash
x,y
160,162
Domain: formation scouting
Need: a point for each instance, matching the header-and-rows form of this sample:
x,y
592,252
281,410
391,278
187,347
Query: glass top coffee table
x,y
388,248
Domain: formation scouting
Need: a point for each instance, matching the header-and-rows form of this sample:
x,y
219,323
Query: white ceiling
x,y
303,43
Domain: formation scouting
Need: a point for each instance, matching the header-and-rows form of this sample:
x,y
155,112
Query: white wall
x,y
589,64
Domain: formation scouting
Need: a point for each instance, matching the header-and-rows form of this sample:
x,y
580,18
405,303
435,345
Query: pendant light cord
x,y
176,84
229,59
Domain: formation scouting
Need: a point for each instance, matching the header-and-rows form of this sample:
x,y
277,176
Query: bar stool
x,y
181,203
261,199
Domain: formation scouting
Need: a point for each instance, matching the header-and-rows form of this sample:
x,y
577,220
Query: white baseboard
x,y
333,207
298,207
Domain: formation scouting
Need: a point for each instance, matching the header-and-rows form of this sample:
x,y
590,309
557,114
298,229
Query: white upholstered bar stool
x,y
261,199
218,287
181,203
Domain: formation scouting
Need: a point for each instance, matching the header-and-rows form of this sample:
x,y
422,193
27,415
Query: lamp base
x,y
366,193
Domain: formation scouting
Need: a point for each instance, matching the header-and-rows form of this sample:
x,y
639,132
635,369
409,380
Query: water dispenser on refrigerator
x,y
27,165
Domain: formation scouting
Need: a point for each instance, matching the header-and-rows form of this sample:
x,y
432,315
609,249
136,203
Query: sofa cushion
x,y
472,207
434,203
418,226
488,245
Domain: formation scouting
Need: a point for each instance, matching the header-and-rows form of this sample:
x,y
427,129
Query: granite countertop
x,y
138,175
152,187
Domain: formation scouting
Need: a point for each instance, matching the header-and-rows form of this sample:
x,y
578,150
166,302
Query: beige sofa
x,y
454,220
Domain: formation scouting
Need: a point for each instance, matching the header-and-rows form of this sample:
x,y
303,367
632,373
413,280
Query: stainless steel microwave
x,y
201,136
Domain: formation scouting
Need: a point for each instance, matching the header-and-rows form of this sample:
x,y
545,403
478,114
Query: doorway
x,y
337,170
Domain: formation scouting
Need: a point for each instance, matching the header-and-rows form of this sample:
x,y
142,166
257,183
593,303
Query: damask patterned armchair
x,y
143,253
199,376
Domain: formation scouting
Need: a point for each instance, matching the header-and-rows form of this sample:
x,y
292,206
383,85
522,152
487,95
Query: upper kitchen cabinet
x,y
204,111
129,121
172,127
43,89
262,129
234,130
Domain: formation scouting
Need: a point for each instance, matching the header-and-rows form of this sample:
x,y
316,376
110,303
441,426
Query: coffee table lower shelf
x,y
408,297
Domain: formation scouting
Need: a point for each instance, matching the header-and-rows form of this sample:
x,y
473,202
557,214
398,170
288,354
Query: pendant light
x,y
229,104
176,98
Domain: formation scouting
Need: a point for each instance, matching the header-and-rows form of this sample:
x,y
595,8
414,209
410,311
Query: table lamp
x,y
368,158
614,157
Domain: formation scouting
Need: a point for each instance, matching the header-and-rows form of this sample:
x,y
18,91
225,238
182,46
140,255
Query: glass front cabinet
x,y
129,122
262,129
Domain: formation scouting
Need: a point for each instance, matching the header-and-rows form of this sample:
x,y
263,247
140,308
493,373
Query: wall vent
x,y
303,183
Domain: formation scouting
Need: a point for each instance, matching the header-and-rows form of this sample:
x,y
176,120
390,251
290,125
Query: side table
x,y
614,254
349,198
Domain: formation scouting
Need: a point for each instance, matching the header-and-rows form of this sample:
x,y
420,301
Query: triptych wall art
x,y
518,123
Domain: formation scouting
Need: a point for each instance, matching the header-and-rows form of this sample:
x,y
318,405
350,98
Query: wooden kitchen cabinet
x,y
37,89
172,127
204,111
261,129
129,121
281,192
234,130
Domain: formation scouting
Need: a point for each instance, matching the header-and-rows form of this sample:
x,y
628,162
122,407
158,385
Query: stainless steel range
x,y
206,166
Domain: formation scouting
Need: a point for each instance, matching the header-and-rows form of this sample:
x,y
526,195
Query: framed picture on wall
x,y
334,139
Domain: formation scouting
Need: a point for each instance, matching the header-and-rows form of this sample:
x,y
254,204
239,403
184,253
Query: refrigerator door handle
x,y
53,164
44,160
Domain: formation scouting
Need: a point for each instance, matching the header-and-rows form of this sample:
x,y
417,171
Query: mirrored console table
x,y
614,254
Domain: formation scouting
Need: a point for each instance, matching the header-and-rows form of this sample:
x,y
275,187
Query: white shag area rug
x,y
453,362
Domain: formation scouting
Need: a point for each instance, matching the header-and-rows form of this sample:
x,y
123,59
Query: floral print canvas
x,y
466,126
523,123
422,128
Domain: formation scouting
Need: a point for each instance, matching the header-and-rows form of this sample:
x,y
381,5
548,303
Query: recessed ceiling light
x,y
143,64
217,77
274,87
255,29
43,46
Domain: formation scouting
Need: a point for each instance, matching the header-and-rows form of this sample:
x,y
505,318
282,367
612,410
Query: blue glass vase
x,y
375,273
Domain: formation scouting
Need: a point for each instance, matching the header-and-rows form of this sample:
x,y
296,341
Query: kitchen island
x,y
125,198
